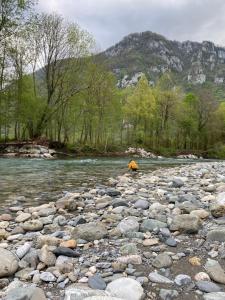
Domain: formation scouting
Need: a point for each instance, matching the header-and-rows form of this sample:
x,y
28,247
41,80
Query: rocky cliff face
x,y
153,54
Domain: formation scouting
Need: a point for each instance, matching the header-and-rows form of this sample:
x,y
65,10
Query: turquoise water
x,y
35,181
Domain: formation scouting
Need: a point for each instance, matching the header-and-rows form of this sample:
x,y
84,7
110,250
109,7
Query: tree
x,y
139,110
168,97
61,58
13,15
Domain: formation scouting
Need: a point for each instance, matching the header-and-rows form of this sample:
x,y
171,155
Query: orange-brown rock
x,y
69,244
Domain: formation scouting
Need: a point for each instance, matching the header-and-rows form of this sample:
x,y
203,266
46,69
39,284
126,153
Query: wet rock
x,y
9,263
119,202
113,192
90,231
185,223
132,291
66,252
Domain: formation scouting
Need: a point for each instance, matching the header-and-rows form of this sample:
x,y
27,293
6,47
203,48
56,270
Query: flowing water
x,y
36,181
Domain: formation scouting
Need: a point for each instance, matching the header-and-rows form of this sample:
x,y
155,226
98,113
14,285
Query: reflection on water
x,y
40,181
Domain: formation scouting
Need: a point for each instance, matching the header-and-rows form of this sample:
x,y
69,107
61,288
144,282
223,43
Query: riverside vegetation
x,y
153,236
53,85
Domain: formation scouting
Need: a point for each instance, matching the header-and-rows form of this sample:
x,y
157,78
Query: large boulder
x,y
126,288
90,231
27,293
186,223
8,263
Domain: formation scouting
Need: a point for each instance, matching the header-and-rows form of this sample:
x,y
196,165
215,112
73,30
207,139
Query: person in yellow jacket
x,y
133,165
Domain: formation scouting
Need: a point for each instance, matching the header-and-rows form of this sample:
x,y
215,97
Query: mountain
x,y
192,63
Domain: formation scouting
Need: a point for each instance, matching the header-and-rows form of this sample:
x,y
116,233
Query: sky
x,y
110,20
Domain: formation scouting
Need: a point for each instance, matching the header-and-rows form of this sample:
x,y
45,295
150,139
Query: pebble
x,y
182,279
207,286
96,282
157,278
47,277
96,238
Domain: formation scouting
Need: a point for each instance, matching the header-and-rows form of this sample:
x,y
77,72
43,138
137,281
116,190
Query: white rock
x,y
22,250
132,291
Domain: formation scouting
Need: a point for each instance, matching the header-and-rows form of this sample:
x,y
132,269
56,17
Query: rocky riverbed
x,y
158,235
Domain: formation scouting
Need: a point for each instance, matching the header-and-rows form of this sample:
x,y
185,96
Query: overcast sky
x,y
110,20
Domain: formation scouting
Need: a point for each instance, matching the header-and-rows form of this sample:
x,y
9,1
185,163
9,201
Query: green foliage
x,y
58,91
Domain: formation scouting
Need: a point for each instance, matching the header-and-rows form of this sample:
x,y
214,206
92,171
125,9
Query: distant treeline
x,y
52,87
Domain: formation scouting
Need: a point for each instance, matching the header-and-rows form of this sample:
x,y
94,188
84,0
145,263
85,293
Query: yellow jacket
x,y
133,165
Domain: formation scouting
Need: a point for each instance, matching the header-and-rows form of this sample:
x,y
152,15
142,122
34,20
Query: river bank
x,y
49,150
157,235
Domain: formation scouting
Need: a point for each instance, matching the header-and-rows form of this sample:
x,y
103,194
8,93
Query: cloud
x,y
110,20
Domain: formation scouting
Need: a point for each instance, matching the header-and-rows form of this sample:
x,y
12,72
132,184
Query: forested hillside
x,y
53,86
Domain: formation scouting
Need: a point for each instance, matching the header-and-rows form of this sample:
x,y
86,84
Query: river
x,y
36,181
